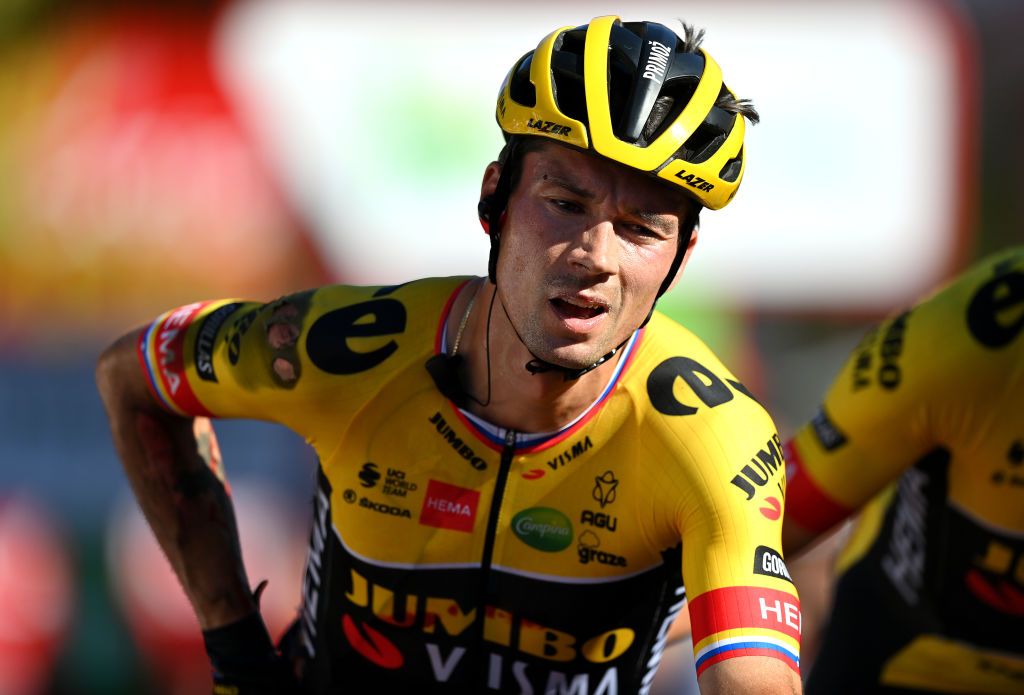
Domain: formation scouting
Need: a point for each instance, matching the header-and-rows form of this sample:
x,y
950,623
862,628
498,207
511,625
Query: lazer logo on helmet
x,y
549,127
694,181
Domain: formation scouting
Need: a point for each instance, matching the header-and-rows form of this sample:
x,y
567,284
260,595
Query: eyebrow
x,y
650,218
569,186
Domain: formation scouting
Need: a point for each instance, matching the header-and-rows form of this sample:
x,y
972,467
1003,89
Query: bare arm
x,y
750,675
181,494
795,538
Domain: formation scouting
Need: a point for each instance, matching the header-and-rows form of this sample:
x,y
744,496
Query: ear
x,y
686,256
490,183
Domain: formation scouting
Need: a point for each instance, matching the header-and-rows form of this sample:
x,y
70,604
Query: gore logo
x,y
543,528
770,563
549,127
449,506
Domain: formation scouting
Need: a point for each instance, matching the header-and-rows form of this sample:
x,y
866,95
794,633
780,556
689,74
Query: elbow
x,y
117,373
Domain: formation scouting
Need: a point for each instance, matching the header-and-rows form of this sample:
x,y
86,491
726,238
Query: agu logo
x,y
543,528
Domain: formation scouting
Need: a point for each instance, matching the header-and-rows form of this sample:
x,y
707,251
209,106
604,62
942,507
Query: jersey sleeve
x,y
305,361
873,423
741,599
728,488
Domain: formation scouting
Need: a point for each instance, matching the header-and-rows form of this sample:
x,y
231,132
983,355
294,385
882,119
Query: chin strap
x,y
539,366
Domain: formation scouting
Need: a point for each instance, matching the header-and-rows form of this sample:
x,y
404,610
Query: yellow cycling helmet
x,y
633,92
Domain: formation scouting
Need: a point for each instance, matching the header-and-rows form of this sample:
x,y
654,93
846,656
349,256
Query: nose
x,y
596,252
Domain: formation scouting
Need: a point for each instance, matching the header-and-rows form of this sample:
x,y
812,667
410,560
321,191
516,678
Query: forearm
x,y
184,502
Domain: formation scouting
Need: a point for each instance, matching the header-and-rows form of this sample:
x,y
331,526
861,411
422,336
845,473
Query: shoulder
x,y
964,334
350,328
683,377
693,407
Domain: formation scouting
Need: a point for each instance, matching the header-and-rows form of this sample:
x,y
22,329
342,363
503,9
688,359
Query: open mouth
x,y
577,308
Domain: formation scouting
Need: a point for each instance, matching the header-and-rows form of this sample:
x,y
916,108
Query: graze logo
x,y
694,181
709,389
234,336
1013,474
764,468
449,506
587,549
206,338
605,487
770,563
549,127
995,315
337,341
997,577
543,528
456,443
570,453
890,350
657,60
829,436
369,475
599,520
452,623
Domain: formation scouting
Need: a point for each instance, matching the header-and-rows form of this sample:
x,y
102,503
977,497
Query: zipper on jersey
x,y
487,588
499,492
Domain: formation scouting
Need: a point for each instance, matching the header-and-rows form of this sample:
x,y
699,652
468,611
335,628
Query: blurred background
x,y
156,153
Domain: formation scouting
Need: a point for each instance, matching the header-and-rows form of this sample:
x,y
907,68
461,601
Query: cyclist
x,y
518,471
922,432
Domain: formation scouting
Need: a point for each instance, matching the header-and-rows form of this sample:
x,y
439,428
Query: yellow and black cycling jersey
x,y
447,553
924,429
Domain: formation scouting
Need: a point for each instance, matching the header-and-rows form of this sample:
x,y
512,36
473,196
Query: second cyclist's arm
x,y
183,499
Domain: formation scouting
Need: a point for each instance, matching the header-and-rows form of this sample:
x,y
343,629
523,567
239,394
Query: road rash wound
x,y
283,329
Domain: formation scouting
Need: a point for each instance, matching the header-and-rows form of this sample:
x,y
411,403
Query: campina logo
x,y
543,528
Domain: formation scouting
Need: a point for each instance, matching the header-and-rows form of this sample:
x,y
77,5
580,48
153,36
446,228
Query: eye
x,y
566,206
641,231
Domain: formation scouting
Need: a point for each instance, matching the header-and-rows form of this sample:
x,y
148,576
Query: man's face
x,y
584,248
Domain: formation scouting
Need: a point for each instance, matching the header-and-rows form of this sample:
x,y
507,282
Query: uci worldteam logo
x,y
543,528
